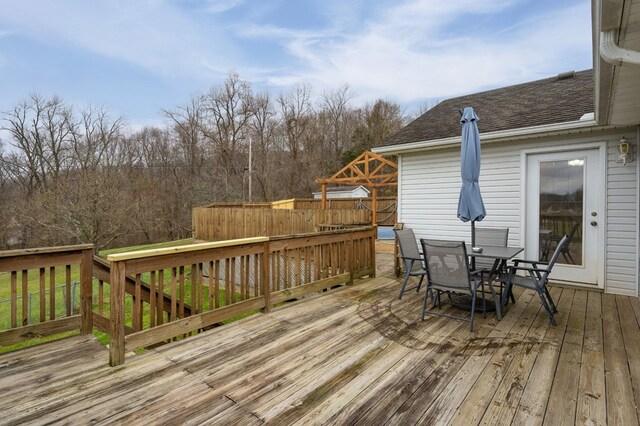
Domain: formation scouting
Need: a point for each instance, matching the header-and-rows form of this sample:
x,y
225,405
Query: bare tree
x,y
263,133
72,174
229,109
39,129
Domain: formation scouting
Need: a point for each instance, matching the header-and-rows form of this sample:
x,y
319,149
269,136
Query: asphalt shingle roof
x,y
549,101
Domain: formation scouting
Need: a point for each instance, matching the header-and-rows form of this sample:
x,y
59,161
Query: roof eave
x,y
579,126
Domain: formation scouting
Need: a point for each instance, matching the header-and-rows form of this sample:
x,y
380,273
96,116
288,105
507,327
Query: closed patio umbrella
x,y
470,205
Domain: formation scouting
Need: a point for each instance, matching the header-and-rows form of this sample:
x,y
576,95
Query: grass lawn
x,y
34,291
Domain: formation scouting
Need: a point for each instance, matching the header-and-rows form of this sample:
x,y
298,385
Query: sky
x,y
137,57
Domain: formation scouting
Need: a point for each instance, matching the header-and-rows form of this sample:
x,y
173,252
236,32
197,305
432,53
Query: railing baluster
x,y
25,297
43,297
152,299
242,278
14,299
136,306
67,288
194,289
217,283
160,298
181,291
174,307
52,293
101,297
227,290
256,274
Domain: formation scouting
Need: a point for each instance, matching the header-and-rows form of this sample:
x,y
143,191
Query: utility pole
x,y
250,169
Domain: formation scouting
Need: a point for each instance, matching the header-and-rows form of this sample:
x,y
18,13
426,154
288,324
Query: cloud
x,y
155,35
219,6
408,51
418,50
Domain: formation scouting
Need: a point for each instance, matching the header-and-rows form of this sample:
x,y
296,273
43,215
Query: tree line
x,y
73,175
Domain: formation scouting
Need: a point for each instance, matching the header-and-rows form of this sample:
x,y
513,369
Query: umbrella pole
x,y
473,244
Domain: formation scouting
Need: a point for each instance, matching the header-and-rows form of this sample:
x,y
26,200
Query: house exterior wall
x,y
429,185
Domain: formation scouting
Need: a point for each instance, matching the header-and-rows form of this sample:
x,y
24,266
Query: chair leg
x,y
505,295
484,302
473,307
404,285
424,304
546,307
553,305
420,283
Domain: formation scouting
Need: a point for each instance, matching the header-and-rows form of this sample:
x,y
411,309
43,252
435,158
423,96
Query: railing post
x,y
351,258
374,234
86,292
266,277
116,346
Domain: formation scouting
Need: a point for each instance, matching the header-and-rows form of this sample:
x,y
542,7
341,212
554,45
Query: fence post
x,y
116,346
266,277
86,292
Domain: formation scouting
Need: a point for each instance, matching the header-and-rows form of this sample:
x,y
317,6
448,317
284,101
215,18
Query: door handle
x,y
594,223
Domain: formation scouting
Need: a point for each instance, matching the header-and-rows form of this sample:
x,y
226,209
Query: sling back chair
x,y
448,272
410,255
536,278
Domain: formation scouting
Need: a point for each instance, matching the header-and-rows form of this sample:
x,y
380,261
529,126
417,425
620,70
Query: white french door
x,y
564,196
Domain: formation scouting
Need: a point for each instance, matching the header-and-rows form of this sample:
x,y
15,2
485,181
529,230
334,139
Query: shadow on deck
x,y
355,355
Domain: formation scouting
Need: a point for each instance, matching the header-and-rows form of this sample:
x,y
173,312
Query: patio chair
x,y
497,237
447,267
536,279
410,255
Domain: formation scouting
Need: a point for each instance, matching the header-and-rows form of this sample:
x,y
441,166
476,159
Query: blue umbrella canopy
x,y
470,205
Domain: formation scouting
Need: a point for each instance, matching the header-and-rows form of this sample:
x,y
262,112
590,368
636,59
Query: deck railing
x,y
24,271
222,280
143,298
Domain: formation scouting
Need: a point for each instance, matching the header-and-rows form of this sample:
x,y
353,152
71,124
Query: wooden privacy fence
x,y
387,214
222,223
224,279
38,271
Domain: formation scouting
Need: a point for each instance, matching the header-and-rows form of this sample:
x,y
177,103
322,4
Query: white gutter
x,y
579,126
614,54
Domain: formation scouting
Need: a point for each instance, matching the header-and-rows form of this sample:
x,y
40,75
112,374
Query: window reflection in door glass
x,y
561,209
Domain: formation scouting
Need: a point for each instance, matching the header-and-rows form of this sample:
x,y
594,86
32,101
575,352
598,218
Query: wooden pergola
x,y
369,170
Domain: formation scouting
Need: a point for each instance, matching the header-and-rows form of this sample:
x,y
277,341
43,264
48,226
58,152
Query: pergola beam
x,y
368,169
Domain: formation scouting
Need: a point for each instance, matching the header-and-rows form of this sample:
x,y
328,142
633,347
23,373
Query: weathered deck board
x,y
621,408
591,407
561,408
509,393
356,355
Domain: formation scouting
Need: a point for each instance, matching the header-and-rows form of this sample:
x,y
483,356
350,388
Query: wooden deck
x,y
354,356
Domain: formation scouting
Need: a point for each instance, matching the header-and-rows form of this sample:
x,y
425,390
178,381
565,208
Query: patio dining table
x,y
500,255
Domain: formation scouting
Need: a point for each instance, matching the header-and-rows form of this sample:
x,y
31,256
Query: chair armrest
x,y
411,258
520,268
538,262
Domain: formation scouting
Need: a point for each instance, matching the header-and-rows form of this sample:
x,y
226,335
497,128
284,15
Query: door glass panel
x,y
561,209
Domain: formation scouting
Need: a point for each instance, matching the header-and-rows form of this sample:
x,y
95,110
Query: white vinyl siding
x,y
430,189
621,247
430,185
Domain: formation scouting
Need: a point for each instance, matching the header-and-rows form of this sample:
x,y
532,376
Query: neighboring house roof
x,y
343,189
564,98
